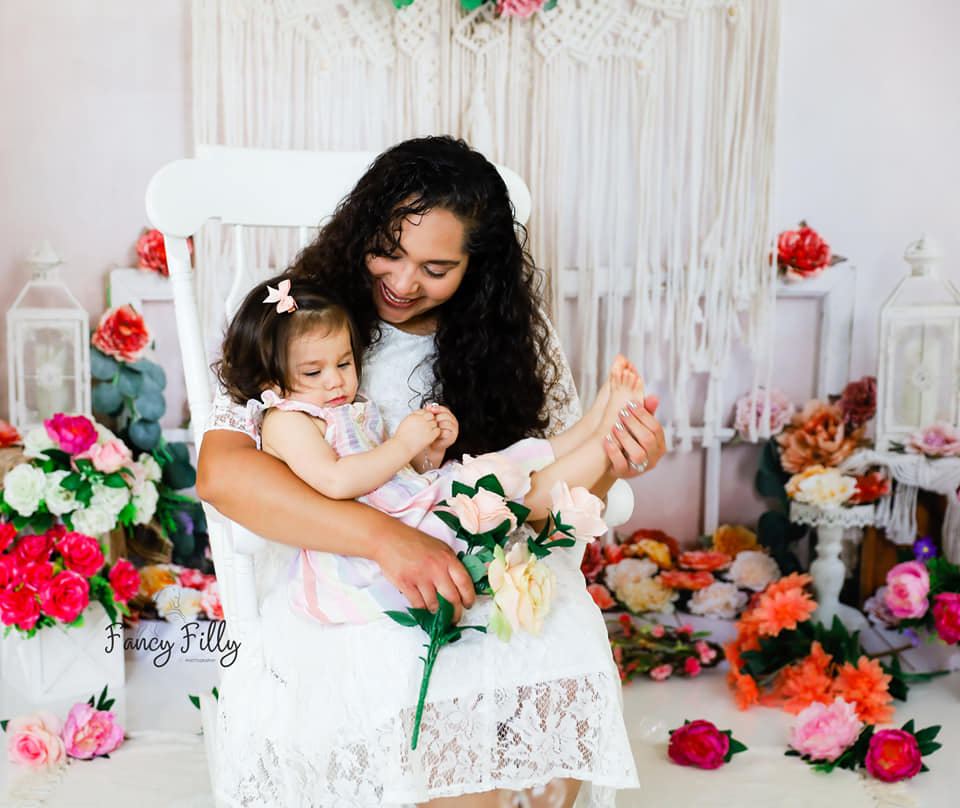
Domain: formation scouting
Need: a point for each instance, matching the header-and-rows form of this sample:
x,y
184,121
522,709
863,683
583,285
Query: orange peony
x,y
817,434
704,560
656,550
8,435
683,579
733,539
866,686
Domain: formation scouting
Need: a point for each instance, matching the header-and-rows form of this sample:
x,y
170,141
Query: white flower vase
x,y
59,662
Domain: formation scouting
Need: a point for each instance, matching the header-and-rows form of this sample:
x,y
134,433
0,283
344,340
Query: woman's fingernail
x,y
624,413
609,438
634,405
619,427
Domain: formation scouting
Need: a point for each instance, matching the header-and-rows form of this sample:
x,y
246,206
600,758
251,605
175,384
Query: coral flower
x,y
745,690
733,539
866,686
782,611
794,582
682,579
807,682
704,560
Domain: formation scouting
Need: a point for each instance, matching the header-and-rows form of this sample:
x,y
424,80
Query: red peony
x,y
870,487
802,253
65,596
593,563
125,580
121,334
8,435
33,547
153,253
699,744
946,617
81,554
7,534
19,608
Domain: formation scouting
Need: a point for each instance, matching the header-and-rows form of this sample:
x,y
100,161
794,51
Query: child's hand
x,y
434,454
417,431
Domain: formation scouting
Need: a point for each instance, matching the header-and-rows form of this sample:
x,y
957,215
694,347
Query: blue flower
x,y
924,548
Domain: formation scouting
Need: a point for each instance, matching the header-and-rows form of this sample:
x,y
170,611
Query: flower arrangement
x,y
750,413
936,440
49,578
172,591
699,743
42,742
831,736
485,516
505,8
659,651
80,473
152,253
802,253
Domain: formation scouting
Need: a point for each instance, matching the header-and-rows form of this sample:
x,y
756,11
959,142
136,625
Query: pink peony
x,y
601,596
88,732
824,731
34,741
939,440
65,596
876,609
518,8
513,479
802,253
946,616
72,433
579,509
699,744
124,579
109,457
81,554
121,334
32,548
907,587
210,600
661,673
19,608
893,755
193,579
748,419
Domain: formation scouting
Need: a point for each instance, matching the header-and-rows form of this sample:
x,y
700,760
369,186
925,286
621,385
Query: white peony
x,y
629,571
146,503
823,487
113,500
36,442
178,602
103,434
151,468
58,499
752,569
718,600
93,520
23,488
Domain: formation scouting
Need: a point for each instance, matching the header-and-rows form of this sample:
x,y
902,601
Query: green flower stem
x,y
433,648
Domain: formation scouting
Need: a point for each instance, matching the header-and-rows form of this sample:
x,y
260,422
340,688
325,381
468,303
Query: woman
x,y
424,254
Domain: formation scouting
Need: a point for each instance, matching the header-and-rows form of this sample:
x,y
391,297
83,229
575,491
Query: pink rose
x,y
893,755
518,8
699,744
946,616
661,672
33,547
691,666
81,554
824,731
513,479
72,433
34,576
658,631
193,579
580,509
65,596
19,608
9,571
121,334
483,511
705,652
748,419
907,587
210,600
34,741
109,457
7,534
89,732
125,580
939,440
601,596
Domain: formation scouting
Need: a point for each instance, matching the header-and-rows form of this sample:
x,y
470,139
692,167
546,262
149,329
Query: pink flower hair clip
x,y
281,296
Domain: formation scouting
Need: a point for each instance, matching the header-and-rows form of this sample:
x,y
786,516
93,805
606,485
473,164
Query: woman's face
x,y
424,272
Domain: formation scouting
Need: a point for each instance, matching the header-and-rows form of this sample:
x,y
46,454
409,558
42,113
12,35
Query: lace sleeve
x,y
563,403
227,414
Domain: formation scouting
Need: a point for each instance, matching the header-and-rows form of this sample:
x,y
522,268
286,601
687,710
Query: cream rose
x,y
647,595
629,571
23,488
580,509
523,589
513,479
151,468
752,569
820,486
58,499
720,599
112,500
177,601
37,442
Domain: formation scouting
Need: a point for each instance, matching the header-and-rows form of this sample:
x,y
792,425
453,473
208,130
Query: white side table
x,y
828,568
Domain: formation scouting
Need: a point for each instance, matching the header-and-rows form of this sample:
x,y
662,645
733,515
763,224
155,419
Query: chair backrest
x,y
246,188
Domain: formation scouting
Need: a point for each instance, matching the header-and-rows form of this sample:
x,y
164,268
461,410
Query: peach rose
x,y
580,509
484,511
34,741
513,479
110,456
523,589
121,334
817,434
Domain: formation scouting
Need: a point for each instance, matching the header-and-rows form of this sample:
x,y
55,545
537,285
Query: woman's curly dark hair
x,y
491,366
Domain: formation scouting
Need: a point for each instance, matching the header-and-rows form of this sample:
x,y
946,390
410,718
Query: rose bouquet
x,y
171,590
80,473
803,253
659,651
503,561
505,8
49,578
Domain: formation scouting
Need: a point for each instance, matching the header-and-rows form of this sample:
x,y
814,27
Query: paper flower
x,y
824,731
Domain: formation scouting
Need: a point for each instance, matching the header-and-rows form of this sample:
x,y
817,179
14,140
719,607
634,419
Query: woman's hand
x,y
636,443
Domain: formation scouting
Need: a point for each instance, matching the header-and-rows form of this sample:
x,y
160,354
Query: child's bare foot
x,y
594,415
625,385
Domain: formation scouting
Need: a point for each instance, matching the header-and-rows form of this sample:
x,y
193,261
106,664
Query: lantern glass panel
x,y
51,365
925,364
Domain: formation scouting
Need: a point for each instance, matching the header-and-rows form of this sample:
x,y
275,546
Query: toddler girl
x,y
289,354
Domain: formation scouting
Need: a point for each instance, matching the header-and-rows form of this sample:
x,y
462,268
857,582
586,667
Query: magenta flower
x,y
72,433
893,755
907,587
946,617
824,731
89,732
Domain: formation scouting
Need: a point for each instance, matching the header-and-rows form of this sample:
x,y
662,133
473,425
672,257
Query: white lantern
x,y
48,347
918,380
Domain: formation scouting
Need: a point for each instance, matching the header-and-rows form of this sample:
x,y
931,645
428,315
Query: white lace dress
x,y
324,715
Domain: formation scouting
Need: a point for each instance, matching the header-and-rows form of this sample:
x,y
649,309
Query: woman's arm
x,y
261,493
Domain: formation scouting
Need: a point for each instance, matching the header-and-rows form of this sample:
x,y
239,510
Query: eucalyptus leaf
x,y
179,475
179,451
144,434
153,371
107,399
129,382
102,367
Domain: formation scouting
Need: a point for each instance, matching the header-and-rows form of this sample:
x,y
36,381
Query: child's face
x,y
323,371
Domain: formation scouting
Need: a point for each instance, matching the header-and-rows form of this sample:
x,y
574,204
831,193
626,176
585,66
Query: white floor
x,y
163,764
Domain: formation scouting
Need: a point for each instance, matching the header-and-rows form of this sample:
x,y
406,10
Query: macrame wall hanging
x,y
644,129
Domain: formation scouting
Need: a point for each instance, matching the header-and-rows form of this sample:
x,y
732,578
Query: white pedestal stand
x,y
828,570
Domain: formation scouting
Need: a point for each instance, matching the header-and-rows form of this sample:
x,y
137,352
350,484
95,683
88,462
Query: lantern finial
x,y
923,255
45,262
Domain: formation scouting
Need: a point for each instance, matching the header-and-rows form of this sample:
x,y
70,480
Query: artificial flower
x,y
708,561
802,253
753,569
34,576
125,580
751,410
59,500
924,548
938,440
705,652
628,571
108,457
65,595
72,434
601,596
893,755
483,511
907,587
155,577
684,579
720,599
817,435
81,554
699,743
823,487
593,562
858,402
194,579
19,608
782,608
23,488
691,666
523,588
579,509
867,687
7,534
518,8
646,595
661,673
36,442
122,334
34,741
658,552
152,252
210,600
513,480
177,601
33,547
733,539
94,520
8,435
946,617
876,609
635,543
145,504
870,487
89,732
806,682
824,731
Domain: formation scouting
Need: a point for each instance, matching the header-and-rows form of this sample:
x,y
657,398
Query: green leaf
x,y
150,406
474,565
470,5
129,382
499,625
179,451
402,618
144,434
102,367
445,612
107,399
195,701
71,482
216,694
768,484
114,480
908,727
548,5
153,371
518,511
84,465
459,488
539,550
927,734
3,724
179,475
58,456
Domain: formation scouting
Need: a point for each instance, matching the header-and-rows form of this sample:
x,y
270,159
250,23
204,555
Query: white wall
x,y
96,96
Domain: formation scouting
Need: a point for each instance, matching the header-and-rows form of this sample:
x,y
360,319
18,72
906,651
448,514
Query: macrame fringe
x,y
888,795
